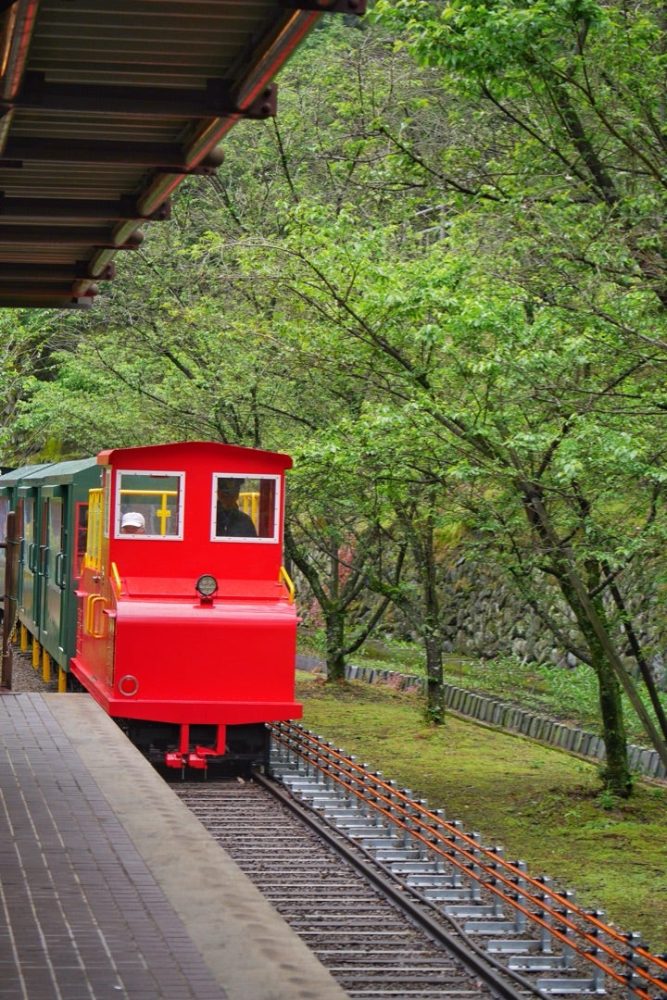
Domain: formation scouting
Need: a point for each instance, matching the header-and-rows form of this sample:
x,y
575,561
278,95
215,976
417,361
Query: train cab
x,y
186,625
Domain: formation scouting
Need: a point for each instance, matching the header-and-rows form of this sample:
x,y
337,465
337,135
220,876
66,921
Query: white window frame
x,y
106,502
231,539
150,473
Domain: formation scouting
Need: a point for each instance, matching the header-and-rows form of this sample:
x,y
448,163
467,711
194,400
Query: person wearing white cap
x,y
133,523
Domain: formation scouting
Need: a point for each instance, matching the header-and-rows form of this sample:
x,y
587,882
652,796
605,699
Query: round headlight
x,y
206,585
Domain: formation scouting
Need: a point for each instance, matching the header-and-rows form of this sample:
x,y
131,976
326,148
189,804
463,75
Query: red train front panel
x,y
186,621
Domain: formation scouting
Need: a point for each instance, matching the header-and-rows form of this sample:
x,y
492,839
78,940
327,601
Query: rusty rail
x,y
618,955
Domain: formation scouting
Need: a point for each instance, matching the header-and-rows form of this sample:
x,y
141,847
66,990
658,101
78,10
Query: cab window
x,y
149,505
244,507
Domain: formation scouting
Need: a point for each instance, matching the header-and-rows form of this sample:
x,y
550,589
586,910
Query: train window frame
x,y
245,539
151,474
106,502
4,513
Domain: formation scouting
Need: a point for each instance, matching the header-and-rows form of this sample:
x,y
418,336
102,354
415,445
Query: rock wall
x,y
487,617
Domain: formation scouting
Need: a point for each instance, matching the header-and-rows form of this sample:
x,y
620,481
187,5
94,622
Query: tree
x,y
434,283
522,399
572,91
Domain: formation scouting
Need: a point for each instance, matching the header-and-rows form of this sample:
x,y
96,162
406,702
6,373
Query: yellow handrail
x,y
92,602
96,633
149,493
163,512
93,556
115,576
249,504
289,583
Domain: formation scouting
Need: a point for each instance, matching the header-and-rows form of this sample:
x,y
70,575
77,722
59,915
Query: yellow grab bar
x,y
115,576
86,616
289,583
92,601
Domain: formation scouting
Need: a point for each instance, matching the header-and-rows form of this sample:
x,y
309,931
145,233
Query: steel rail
x,y
474,958
411,808
471,859
432,831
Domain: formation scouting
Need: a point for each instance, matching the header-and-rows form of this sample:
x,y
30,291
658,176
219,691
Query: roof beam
x,y
30,289
96,236
327,6
27,211
48,274
46,301
216,101
137,154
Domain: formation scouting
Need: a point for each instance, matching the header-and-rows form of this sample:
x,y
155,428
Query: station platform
x,y
111,888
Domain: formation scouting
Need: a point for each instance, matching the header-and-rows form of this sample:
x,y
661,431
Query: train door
x,y
80,540
76,527
51,573
94,638
28,603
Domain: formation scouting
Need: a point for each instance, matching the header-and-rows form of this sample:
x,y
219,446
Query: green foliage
x,y
607,800
492,38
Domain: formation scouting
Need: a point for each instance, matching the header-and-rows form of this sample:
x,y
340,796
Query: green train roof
x,y
48,472
61,472
23,472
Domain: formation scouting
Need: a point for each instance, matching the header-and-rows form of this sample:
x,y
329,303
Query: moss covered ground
x,y
569,695
541,804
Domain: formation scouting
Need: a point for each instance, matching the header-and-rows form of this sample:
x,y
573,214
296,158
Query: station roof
x,y
106,106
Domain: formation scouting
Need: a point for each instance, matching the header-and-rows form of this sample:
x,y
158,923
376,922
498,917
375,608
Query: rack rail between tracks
x,y
535,903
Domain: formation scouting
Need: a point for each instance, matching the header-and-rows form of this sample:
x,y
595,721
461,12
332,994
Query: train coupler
x,y
174,758
199,757
195,759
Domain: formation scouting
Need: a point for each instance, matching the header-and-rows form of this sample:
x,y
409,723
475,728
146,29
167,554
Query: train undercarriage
x,y
229,750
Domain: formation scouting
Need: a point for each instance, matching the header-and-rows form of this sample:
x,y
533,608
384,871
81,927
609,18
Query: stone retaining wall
x,y
486,617
503,715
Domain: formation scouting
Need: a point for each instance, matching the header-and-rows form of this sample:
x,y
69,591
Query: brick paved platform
x,y
110,888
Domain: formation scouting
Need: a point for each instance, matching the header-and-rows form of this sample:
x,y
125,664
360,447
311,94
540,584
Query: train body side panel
x,y
231,662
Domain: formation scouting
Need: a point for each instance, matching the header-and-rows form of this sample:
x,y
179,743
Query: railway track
x,y
400,902
365,938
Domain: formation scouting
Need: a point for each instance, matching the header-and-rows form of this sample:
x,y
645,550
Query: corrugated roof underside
x,y
150,42
55,141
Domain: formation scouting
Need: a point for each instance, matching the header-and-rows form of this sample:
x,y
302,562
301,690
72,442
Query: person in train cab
x,y
133,523
229,520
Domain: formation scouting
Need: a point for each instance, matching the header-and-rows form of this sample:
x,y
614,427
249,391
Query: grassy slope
x,y
542,805
569,695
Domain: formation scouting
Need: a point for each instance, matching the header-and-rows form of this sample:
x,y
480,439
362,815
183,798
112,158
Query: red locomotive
x,y
186,624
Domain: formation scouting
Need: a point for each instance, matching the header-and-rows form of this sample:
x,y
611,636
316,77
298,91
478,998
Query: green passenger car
x,y
52,506
9,494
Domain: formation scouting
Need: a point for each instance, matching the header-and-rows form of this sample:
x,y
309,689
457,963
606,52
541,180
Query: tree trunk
x,y
605,659
334,621
435,688
431,633
616,774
